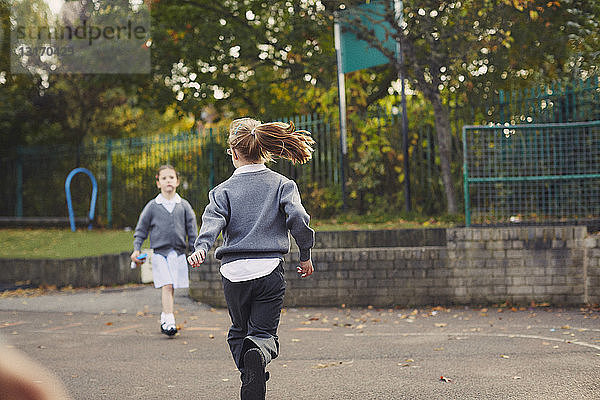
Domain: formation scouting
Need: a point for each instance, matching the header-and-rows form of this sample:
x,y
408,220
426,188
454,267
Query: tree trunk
x,y
442,120
444,139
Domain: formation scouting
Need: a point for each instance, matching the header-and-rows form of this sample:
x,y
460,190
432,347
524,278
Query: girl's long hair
x,y
264,142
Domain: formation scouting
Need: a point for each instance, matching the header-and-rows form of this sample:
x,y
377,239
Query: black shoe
x,y
168,329
267,376
254,385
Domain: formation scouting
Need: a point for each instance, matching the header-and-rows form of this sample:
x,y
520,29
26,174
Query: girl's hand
x,y
305,268
197,258
134,257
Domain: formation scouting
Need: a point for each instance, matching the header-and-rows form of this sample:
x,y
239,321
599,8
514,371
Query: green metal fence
x,y
32,184
531,173
558,102
384,129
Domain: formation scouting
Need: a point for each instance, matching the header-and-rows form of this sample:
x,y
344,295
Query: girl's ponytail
x,y
271,140
284,141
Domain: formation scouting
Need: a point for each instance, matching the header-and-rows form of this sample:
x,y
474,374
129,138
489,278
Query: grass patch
x,y
62,243
349,222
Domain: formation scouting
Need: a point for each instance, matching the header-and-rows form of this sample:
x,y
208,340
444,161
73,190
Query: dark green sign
x,y
358,54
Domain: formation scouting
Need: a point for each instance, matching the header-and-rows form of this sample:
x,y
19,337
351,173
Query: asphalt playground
x,y
106,344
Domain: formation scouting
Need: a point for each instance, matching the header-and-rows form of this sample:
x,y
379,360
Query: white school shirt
x,y
169,205
249,268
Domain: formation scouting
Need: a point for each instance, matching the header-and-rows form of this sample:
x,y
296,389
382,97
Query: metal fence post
x,y
466,178
109,183
211,159
19,188
501,104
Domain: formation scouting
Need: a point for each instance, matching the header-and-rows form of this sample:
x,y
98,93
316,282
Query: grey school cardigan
x,y
255,211
168,231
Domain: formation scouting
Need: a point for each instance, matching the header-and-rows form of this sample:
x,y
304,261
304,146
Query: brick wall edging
x,y
519,265
106,270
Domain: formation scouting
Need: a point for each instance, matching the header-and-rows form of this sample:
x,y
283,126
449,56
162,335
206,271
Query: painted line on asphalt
x,y
57,328
124,328
313,329
570,328
507,335
203,328
9,324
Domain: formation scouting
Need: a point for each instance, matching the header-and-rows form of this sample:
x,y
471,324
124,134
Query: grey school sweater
x,y
255,211
168,231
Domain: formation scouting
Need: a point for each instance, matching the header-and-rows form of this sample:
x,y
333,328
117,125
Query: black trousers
x,y
255,307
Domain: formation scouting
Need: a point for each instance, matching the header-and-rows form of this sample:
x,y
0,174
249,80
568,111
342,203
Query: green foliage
x,y
464,52
251,57
321,202
38,106
275,59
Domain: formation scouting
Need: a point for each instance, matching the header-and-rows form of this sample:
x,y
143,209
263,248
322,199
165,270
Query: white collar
x,y
160,199
249,168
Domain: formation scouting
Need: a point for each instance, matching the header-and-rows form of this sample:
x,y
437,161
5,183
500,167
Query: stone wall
x,y
592,269
519,265
104,270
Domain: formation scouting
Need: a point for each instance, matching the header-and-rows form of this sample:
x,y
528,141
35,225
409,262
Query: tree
x,y
449,46
40,106
252,57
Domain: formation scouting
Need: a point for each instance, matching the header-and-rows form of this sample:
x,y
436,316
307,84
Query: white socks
x,y
169,319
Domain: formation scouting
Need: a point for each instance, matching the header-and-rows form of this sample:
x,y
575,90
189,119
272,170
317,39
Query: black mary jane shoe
x,y
168,330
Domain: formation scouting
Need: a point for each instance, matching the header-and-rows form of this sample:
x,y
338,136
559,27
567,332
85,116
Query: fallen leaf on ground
x,y
332,364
